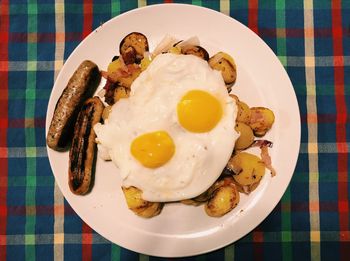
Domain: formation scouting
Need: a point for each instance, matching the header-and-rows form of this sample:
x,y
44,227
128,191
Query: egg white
x,y
199,157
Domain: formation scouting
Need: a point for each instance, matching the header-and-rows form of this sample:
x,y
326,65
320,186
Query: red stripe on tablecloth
x,y
343,195
322,118
86,242
39,210
27,123
4,37
87,9
86,230
258,239
253,15
47,37
168,1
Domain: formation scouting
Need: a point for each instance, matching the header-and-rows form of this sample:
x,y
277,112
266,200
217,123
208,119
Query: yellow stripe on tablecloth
x,y
60,37
225,7
312,128
58,197
141,3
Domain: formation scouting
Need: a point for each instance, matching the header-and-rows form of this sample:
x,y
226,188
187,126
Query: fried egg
x,y
175,133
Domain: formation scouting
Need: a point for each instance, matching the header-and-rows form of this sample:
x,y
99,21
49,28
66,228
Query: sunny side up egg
x,y
175,133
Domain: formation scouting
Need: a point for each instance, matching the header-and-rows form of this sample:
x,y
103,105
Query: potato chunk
x,y
224,197
121,92
244,113
136,40
248,168
195,50
139,206
224,63
261,120
246,137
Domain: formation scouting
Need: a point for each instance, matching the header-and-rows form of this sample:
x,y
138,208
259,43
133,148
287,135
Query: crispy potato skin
x,y
261,120
121,92
224,63
139,206
244,113
197,51
224,197
106,112
136,40
246,137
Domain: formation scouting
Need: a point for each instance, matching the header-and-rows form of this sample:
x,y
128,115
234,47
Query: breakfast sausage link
x,y
80,87
82,151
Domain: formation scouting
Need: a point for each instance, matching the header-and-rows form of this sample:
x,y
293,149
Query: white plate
x,y
182,230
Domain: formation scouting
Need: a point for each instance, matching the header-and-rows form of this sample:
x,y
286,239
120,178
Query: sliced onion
x,y
165,44
190,41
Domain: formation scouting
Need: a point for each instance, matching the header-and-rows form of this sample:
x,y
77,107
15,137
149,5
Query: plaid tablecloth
x,y
311,39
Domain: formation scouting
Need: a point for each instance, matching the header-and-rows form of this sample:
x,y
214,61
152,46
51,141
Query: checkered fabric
x,y
311,39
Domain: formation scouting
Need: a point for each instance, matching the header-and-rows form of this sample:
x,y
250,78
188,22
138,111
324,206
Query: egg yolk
x,y
153,149
199,111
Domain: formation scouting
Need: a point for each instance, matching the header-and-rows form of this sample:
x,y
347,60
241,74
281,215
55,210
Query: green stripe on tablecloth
x,y
286,200
281,33
230,252
115,252
19,94
143,257
41,181
30,132
197,2
286,226
115,8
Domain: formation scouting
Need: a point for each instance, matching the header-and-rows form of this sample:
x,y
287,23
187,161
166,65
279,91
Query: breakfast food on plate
x,y
136,43
169,120
261,120
195,50
83,148
172,127
223,198
224,63
248,171
162,138
140,206
81,86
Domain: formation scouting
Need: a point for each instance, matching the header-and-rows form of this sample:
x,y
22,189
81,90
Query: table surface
x,y
312,41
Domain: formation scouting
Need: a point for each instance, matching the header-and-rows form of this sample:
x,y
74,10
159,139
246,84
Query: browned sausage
x,y
83,149
81,86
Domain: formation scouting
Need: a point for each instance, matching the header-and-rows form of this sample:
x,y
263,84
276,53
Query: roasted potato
x,y
145,62
139,206
248,169
244,113
121,92
127,81
202,198
106,112
123,74
246,137
136,40
114,66
224,63
223,198
195,50
129,56
261,120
